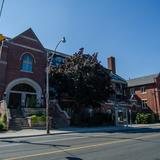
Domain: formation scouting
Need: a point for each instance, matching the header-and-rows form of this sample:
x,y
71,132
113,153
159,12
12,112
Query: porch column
x,y
116,116
126,116
23,99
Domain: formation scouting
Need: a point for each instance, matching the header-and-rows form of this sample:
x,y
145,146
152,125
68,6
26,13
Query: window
x,y
143,89
58,60
132,91
144,104
23,87
27,62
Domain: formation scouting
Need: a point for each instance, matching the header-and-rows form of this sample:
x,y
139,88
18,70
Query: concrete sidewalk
x,y
42,132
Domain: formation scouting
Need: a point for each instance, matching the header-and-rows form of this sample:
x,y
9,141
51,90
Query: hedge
x,y
36,118
145,118
3,122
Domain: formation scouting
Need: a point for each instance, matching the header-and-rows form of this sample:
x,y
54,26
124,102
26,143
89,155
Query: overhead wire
x,y
1,8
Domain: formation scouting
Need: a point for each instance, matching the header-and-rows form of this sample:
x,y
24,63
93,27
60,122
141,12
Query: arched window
x,y
27,63
23,87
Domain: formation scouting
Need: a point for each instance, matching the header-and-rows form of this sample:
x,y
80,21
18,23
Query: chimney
x,y
112,64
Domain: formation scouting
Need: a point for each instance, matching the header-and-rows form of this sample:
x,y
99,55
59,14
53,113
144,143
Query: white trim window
x,y
132,91
27,63
143,89
144,104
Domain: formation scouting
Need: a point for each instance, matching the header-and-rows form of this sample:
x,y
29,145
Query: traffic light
x,y
2,38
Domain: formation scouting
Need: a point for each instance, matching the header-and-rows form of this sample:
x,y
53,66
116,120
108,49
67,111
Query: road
x,y
141,145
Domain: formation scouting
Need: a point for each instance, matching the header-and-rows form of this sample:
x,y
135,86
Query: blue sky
x,y
126,29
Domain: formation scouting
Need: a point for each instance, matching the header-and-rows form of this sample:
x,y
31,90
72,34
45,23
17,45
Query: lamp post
x,y
49,63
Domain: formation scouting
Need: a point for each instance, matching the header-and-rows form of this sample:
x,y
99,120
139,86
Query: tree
x,y
83,78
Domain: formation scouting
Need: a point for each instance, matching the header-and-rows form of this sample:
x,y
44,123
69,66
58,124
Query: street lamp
x,y
49,63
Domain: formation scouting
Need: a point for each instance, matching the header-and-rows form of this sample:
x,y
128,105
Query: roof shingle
x,y
142,80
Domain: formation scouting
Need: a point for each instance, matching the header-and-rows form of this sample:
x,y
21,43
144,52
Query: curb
x,y
127,129
68,132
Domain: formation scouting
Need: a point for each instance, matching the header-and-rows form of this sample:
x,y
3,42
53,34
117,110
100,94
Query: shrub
x,y
34,119
37,119
42,118
1,126
151,118
4,119
145,118
3,122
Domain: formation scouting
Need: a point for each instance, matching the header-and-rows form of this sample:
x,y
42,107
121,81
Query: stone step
x,y
59,123
16,113
19,123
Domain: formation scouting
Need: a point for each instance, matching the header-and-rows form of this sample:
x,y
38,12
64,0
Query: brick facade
x,y
148,92
11,59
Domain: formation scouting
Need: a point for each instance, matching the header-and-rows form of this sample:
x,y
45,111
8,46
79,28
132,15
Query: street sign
x,y
2,38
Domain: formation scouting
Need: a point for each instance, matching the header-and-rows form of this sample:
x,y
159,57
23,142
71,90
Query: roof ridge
x,y
151,75
142,80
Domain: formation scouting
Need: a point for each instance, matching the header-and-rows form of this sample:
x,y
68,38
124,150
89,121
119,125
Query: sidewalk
x,y
42,132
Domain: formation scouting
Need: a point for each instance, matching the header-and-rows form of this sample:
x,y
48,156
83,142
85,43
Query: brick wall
x,y
150,95
14,64
10,62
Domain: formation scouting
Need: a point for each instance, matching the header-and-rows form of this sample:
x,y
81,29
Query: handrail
x,y
64,115
62,111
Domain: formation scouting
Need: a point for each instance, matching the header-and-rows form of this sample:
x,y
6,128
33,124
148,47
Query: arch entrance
x,y
23,93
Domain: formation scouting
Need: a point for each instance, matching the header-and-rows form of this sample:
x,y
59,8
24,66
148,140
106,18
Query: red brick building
x,y
22,76
146,91
23,61
22,70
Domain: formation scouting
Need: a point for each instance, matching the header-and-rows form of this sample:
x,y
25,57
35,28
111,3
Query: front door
x,y
30,101
15,100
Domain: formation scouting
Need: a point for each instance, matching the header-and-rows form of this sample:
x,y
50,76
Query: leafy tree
x,y
83,78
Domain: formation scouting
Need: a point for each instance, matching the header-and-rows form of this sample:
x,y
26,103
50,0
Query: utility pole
x,y
1,8
48,67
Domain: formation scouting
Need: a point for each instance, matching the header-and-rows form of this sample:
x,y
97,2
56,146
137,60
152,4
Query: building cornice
x,y
27,47
29,38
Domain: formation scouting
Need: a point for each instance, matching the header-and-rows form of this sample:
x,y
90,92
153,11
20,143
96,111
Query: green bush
x,y
1,126
145,118
4,119
42,118
34,118
3,122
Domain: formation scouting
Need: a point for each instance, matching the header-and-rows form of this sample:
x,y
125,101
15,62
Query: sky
x,y
129,30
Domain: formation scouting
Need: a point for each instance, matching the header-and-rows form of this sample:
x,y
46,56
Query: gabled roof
x,y
142,80
25,38
57,53
117,78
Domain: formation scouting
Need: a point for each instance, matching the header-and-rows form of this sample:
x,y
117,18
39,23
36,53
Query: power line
x,y
1,8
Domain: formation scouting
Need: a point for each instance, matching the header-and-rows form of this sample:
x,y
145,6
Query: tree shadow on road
x,y
35,143
136,130
73,158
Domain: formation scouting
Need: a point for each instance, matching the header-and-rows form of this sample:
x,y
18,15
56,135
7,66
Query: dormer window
x,y
27,63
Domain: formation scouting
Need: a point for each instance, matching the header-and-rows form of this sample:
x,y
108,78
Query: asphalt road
x,y
141,145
